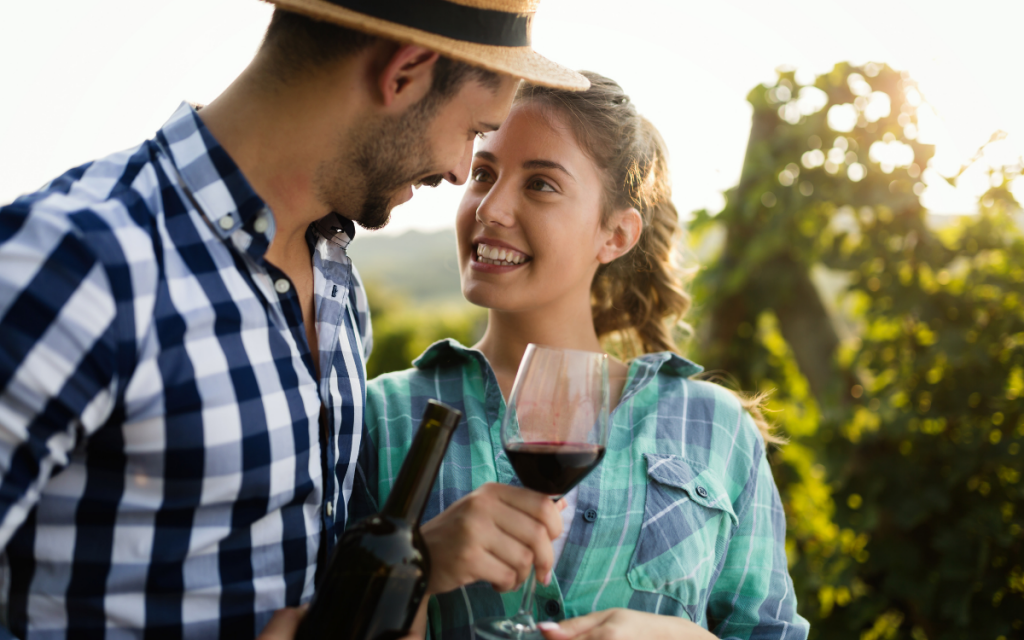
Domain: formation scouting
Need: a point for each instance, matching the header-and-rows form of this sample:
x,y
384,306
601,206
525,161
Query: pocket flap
x,y
699,483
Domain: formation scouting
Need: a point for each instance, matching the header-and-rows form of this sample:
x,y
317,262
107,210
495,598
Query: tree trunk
x,y
807,328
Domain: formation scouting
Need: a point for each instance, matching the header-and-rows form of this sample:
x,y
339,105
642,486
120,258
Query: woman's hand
x,y
624,624
495,534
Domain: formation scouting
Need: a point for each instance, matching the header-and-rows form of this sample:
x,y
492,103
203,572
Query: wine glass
x,y
554,433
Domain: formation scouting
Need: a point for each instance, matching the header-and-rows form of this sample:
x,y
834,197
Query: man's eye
x,y
540,185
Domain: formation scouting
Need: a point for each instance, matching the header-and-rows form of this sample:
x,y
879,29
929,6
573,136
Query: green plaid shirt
x,y
681,518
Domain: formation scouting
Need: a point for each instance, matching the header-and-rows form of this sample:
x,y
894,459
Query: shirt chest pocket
x,y
688,521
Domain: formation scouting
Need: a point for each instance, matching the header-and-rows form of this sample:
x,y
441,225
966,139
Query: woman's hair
x,y
637,300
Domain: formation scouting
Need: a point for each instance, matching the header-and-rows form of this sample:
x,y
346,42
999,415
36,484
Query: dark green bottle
x,y
378,574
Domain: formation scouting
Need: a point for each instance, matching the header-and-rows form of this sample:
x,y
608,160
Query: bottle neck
x,y
416,478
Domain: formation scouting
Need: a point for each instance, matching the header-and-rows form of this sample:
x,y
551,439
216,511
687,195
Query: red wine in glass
x,y
553,467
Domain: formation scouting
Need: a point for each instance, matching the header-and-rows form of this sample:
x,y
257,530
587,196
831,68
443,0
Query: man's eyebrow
x,y
547,164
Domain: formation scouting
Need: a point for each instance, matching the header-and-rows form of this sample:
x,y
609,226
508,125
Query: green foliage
x,y
421,267
901,387
402,330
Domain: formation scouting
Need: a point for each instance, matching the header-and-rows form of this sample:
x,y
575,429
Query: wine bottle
x,y
378,573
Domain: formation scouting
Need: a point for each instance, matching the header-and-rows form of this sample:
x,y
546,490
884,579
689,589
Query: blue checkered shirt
x,y
163,469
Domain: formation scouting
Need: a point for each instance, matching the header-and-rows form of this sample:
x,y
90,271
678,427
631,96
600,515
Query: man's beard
x,y
378,161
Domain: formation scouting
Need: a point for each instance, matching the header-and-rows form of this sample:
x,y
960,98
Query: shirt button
x,y
702,492
330,510
226,222
552,608
261,224
590,515
282,286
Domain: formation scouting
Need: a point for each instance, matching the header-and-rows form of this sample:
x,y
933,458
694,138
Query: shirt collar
x,y
669,363
219,189
449,351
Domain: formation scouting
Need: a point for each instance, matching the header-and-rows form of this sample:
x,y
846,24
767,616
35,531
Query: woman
x,y
565,234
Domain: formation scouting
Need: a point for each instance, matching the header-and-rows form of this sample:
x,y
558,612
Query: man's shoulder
x,y
108,206
118,190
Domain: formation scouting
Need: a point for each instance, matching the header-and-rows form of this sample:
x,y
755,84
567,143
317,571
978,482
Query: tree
x,y
896,354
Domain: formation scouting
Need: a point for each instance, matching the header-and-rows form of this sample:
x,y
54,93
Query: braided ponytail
x,y
637,300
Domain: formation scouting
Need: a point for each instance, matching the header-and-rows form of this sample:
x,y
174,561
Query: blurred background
x,y
850,175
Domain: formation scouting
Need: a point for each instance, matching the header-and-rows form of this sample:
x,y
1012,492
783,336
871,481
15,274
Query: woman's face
x,y
529,225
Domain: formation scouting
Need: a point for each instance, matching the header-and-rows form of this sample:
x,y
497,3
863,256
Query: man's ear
x,y
406,76
622,232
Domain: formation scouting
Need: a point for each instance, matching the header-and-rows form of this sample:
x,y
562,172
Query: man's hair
x,y
299,45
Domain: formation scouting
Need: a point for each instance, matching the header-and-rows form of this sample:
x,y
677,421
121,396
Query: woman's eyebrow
x,y
529,164
547,164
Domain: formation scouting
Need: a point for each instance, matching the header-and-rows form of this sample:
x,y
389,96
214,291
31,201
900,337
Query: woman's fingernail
x,y
548,626
547,579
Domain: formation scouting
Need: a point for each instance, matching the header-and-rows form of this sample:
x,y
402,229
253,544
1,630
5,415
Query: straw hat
x,y
491,34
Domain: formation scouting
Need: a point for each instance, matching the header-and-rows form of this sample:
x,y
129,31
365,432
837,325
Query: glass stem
x,y
526,606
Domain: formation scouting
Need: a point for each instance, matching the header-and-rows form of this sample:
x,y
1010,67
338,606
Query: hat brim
x,y
518,62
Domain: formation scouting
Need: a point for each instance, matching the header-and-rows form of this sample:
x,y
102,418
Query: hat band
x,y
455,21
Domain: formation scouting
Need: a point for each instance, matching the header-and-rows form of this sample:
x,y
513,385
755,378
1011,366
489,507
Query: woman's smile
x,y
490,255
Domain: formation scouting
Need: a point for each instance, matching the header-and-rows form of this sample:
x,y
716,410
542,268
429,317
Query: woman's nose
x,y
497,207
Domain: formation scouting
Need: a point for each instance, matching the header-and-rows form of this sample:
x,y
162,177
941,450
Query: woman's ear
x,y
623,230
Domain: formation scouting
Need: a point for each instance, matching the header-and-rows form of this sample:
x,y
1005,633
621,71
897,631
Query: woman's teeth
x,y
499,255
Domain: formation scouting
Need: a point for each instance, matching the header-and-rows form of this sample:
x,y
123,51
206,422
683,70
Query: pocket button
x,y
702,492
552,608
590,515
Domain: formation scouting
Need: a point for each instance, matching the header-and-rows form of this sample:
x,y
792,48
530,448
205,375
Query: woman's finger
x,y
536,505
574,627
533,546
513,553
498,572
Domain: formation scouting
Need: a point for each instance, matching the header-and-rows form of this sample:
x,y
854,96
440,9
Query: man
x,y
183,338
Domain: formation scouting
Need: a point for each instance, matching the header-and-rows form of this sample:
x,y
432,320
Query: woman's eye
x,y
540,185
481,175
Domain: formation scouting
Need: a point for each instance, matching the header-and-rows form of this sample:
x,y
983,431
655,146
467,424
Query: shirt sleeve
x,y
753,596
57,353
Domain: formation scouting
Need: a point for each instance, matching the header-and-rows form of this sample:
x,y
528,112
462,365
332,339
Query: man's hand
x,y
624,624
495,534
285,623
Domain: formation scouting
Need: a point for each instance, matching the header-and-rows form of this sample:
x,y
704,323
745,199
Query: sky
x,y
80,80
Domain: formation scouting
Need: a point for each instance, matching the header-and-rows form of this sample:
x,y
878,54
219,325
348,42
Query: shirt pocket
x,y
688,521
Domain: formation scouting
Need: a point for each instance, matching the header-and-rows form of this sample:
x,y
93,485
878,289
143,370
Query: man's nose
x,y
460,173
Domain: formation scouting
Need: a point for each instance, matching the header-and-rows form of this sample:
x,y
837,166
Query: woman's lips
x,y
492,258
